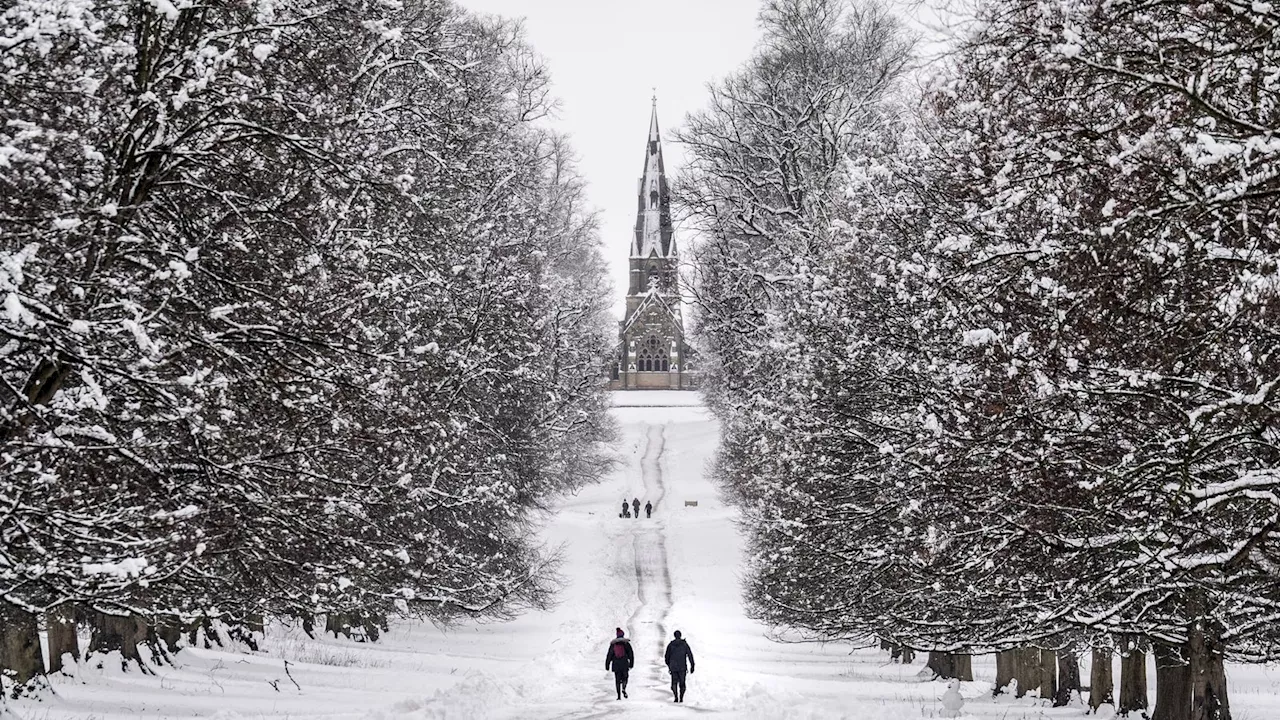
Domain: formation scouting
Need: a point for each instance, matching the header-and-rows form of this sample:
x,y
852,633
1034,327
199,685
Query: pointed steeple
x,y
653,124
653,218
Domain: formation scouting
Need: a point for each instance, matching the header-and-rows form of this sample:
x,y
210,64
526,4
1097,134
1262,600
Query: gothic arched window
x,y
652,355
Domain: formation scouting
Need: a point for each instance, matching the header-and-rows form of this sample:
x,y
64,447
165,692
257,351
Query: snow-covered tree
x,y
1072,278
812,371
303,314
1121,220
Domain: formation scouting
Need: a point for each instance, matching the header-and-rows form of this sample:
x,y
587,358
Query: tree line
x,y
303,315
994,344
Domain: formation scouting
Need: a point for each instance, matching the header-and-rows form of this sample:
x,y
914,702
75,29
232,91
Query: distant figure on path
x,y
635,502
677,652
620,659
626,508
648,509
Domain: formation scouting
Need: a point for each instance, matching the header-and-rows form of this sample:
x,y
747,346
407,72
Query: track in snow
x,y
653,574
647,625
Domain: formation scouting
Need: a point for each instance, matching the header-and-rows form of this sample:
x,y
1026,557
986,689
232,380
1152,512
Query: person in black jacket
x,y
648,509
677,652
635,503
620,659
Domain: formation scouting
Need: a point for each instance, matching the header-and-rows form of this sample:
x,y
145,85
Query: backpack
x,y
619,651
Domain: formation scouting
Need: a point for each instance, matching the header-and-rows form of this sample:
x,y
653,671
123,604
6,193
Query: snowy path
x,y
653,575
678,570
646,626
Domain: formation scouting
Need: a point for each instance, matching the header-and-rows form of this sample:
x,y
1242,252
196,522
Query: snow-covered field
x,y
677,570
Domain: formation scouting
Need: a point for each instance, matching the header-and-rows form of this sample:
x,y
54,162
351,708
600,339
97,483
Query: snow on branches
x,y
1021,387
302,313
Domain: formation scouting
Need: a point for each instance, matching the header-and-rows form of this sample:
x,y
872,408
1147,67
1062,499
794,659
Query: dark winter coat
x,y
619,665
677,651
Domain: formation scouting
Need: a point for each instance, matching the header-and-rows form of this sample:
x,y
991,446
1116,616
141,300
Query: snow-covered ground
x,y
678,570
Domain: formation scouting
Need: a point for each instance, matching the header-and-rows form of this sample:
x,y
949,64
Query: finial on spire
x,y
653,123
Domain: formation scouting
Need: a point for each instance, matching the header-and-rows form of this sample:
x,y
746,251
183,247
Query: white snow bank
x,y
656,398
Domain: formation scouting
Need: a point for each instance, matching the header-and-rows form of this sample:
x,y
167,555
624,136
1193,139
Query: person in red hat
x,y
620,659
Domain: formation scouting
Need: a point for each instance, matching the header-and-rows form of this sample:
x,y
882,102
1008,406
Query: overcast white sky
x,y
606,58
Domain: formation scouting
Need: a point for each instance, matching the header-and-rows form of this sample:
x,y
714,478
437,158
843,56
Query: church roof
x,y
653,236
652,298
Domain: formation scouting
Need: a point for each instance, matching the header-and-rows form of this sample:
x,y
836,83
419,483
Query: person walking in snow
x,y
677,653
620,659
626,508
648,509
635,503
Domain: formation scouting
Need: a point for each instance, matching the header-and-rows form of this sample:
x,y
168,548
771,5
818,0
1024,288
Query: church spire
x,y
653,121
653,216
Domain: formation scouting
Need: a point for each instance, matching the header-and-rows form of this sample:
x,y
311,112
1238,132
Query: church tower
x,y
652,351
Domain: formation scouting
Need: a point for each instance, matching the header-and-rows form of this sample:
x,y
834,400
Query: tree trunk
x,y
338,624
211,636
1027,672
942,664
19,646
1101,685
1068,677
1173,685
1208,678
1133,680
164,637
1048,674
1006,669
373,627
61,623
947,665
898,653
118,632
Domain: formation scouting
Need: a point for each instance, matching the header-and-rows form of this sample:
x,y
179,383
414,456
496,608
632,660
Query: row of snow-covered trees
x,y
998,363
302,314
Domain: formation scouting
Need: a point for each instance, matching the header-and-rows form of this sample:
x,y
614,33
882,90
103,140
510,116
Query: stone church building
x,y
652,354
